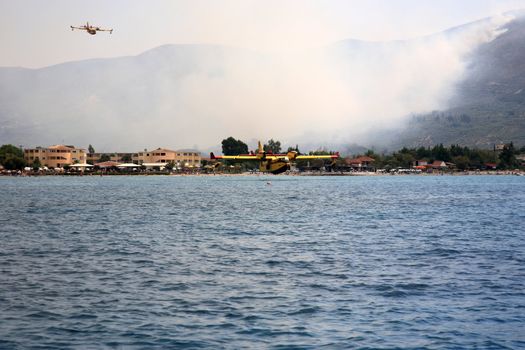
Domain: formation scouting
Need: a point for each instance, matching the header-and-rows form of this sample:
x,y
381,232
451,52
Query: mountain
x,y
193,96
124,103
488,104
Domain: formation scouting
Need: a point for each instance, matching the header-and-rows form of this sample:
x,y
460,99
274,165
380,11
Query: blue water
x,y
232,262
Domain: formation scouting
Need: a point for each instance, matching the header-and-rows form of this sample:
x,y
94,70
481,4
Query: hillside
x,y
488,106
352,92
116,103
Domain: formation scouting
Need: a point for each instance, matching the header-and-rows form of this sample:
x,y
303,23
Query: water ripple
x,y
228,262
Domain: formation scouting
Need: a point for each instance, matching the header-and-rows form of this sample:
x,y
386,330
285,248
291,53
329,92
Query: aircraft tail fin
x,y
291,155
260,148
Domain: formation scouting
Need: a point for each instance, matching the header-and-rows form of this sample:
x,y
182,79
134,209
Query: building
x,y
362,163
182,158
439,164
420,163
56,156
94,158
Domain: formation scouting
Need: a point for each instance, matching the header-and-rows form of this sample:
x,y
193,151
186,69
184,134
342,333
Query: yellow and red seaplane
x,y
273,163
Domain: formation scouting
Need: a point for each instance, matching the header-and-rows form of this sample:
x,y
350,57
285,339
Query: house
x,y
184,158
56,156
438,164
93,158
362,163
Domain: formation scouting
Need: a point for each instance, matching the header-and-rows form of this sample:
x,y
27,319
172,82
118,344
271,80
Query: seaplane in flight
x,y
91,29
273,163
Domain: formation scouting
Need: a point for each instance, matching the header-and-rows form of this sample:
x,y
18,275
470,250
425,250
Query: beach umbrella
x,y
80,165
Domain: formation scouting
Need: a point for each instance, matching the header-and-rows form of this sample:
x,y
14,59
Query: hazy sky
x,y
35,33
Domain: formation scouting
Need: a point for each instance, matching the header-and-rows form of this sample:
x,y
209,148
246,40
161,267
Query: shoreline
x,y
372,174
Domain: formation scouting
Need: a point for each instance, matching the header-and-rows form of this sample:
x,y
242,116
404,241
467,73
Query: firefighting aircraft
x,y
273,163
92,29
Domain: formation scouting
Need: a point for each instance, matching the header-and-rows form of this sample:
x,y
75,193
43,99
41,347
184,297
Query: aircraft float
x,y
273,163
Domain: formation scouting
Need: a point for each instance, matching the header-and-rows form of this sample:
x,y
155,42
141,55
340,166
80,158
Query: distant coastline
x,y
19,173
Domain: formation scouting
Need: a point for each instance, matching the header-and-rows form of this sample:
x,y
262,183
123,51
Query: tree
x,y
405,159
105,157
507,157
440,153
462,162
126,158
12,157
14,163
36,164
231,147
91,149
321,152
272,146
169,165
296,149
10,151
423,152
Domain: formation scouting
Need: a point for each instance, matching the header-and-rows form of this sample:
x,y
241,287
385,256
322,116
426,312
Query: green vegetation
x,y
12,157
231,146
293,149
507,157
463,158
458,157
169,166
91,149
104,158
272,146
472,127
36,164
126,158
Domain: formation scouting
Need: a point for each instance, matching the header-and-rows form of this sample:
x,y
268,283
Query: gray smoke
x,y
186,96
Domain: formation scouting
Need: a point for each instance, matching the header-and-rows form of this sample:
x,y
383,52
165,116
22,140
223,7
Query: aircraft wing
x,y
330,156
239,157
272,157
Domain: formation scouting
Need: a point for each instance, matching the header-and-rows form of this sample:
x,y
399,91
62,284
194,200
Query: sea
x,y
262,262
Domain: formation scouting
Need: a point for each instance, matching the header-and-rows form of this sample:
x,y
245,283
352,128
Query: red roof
x,y
107,164
439,163
359,160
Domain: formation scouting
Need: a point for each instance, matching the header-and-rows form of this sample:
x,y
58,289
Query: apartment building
x,y
162,155
94,158
55,156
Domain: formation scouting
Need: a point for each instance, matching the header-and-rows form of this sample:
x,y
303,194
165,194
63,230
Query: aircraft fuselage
x,y
274,166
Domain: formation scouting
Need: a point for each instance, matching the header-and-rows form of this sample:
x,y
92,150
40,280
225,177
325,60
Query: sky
x,y
35,33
